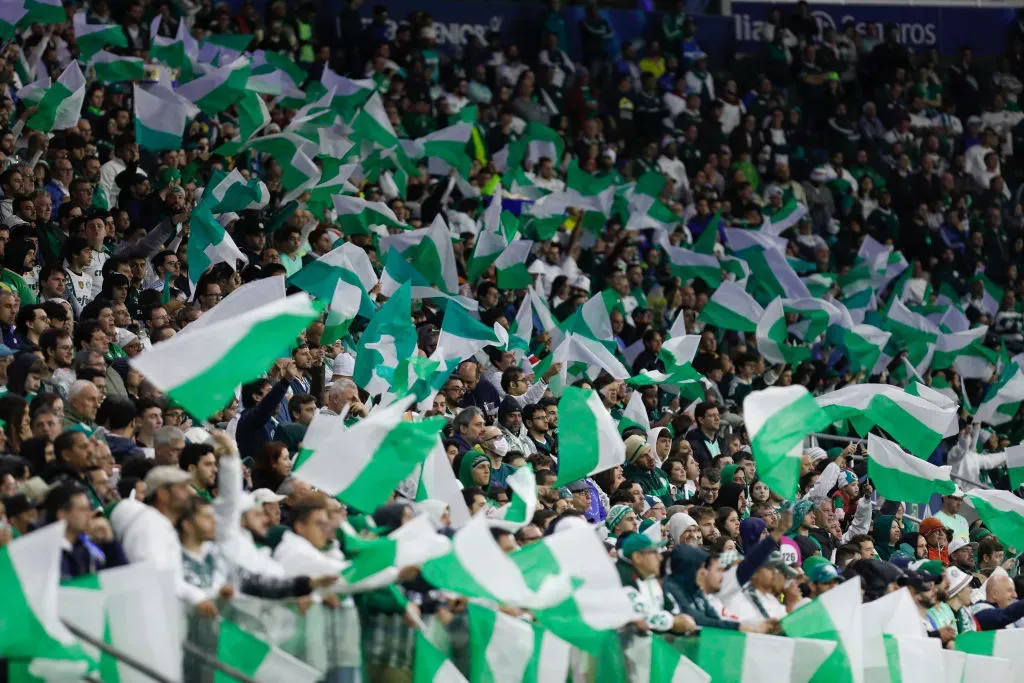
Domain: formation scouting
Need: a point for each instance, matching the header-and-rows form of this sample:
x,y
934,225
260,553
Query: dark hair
x,y
989,545
249,391
12,411
42,400
65,441
34,452
713,475
116,413
160,257
268,455
75,245
195,504
49,338
56,311
192,453
470,493
532,409
84,331
60,498
702,408
26,314
296,402
302,511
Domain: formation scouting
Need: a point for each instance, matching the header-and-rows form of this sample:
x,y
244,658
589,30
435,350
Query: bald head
x,y
1000,591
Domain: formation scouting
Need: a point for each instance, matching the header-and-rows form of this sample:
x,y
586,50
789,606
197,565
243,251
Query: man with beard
x,y
923,587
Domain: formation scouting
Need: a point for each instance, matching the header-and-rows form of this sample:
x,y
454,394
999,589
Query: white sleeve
x,y
535,393
861,520
825,482
227,507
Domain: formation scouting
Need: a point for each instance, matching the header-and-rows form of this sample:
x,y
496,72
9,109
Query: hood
x,y
684,562
750,532
880,535
389,517
17,372
469,460
729,496
800,510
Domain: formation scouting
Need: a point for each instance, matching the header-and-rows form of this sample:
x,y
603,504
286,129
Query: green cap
x,y
635,543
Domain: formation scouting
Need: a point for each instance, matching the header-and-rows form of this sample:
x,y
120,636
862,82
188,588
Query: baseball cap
x,y
846,477
165,475
933,567
823,572
959,543
957,493
578,486
777,561
267,496
958,580
35,488
635,543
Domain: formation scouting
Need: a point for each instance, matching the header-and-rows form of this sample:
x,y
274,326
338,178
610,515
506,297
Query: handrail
x,y
148,671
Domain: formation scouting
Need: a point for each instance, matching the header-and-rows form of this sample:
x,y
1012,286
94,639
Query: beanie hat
x,y
636,446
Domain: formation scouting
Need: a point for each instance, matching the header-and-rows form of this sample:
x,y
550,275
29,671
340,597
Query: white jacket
x,y
235,543
966,463
147,536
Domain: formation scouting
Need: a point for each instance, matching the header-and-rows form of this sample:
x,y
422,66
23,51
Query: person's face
x,y
40,321
87,402
993,560
952,504
921,549
474,429
581,500
937,538
46,425
316,529
158,318
206,470
647,562
482,474
711,576
77,518
711,420
210,297
99,341
538,422
732,525
151,420
80,455
708,491
479,503
552,412
454,391
283,463
1003,593
708,530
692,536
867,550
963,557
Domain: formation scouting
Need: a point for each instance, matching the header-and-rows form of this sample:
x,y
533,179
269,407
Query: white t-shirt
x,y
81,288
95,271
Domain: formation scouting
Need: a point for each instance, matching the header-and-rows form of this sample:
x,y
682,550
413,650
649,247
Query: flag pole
x,y
106,648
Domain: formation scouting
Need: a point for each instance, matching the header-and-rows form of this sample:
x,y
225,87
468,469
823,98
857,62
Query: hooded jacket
x,y
471,459
648,597
880,534
681,585
750,532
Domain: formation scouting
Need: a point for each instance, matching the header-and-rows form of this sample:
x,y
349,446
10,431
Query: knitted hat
x,y
616,515
929,525
958,580
636,447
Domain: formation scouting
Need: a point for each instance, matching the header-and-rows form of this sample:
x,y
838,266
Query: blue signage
x,y
921,27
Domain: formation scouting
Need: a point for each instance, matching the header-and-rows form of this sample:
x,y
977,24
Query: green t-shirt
x,y
958,524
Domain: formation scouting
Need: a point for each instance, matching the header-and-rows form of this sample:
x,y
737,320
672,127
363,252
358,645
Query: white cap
x,y
581,282
267,496
197,435
958,580
344,365
957,493
957,544
610,153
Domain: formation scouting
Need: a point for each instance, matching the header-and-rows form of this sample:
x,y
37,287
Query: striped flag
x,y
688,265
111,68
385,449
389,336
492,240
372,124
437,482
835,616
448,145
462,335
380,560
518,512
200,371
1007,643
1002,512
347,263
635,414
735,657
1002,400
772,335
60,107
91,38
511,650
773,273
731,308
431,250
358,216
778,419
159,123
777,221
292,153
180,52
11,14
917,424
537,141
1015,465
30,626
863,345
348,95
431,666
43,12
590,441
219,89
259,660
511,265
898,475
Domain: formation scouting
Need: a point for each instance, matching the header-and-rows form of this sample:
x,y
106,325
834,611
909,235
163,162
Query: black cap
x,y
508,405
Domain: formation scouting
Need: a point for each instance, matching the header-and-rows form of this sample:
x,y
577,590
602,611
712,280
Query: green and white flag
x,y
590,441
537,141
635,414
492,240
518,512
209,244
384,450
960,667
505,649
740,239
431,250
1002,513
680,377
259,660
1007,643
274,73
773,274
772,335
293,154
688,265
111,68
735,657
43,12
322,430
1002,400
788,215
389,337
11,13
597,606
511,265
731,308
347,263
61,104
345,304
159,123
231,192
135,609
953,346
478,568
992,294
916,423
431,666
30,626
437,482
201,371
348,94
1015,465
380,560
448,144
372,124
835,616
898,475
521,329
91,38
253,115
778,419
461,335
219,89
863,346
180,52
653,660
358,216
332,183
